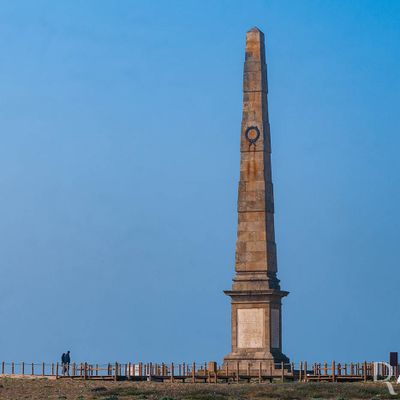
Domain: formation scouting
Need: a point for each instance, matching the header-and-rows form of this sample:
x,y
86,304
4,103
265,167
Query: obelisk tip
x,y
254,29
255,45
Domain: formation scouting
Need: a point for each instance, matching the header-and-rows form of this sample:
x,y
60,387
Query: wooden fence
x,y
204,372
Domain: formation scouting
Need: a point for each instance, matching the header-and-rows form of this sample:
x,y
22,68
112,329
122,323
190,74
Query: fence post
x,y
365,371
292,369
194,372
260,372
32,369
305,372
2,368
22,368
282,371
300,370
12,368
172,372
57,370
333,371
85,371
115,371
270,371
237,372
150,370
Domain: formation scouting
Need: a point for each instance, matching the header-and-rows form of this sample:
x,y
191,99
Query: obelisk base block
x,y
256,329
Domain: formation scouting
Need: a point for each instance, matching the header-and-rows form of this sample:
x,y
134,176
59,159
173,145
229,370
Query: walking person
x,y
63,363
67,362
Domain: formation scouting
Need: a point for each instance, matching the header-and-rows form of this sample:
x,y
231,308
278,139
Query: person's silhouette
x,y
63,363
67,361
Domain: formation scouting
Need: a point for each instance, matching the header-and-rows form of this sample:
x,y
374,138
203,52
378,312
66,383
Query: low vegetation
x,y
39,389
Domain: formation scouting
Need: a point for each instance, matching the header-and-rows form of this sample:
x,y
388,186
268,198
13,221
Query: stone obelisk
x,y
255,294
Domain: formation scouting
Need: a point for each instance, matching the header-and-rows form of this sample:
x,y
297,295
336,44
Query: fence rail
x,y
201,372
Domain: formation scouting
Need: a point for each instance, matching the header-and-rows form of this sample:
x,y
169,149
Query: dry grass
x,y
40,389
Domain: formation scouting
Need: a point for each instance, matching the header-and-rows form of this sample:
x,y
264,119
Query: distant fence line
x,y
201,372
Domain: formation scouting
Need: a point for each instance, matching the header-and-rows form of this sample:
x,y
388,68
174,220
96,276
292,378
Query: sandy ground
x,y
79,390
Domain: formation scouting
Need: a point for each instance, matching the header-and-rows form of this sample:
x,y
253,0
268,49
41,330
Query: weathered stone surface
x,y
256,294
250,327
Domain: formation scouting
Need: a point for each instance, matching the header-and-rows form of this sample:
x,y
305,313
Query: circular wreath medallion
x,y
252,134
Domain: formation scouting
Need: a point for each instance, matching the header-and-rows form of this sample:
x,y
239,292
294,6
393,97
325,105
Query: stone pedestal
x,y
255,294
256,328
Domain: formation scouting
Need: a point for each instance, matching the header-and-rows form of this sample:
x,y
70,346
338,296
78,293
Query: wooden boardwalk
x,y
199,373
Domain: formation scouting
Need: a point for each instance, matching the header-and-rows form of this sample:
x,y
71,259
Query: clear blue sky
x,y
119,162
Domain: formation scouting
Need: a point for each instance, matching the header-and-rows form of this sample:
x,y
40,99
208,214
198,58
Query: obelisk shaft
x,y
255,246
